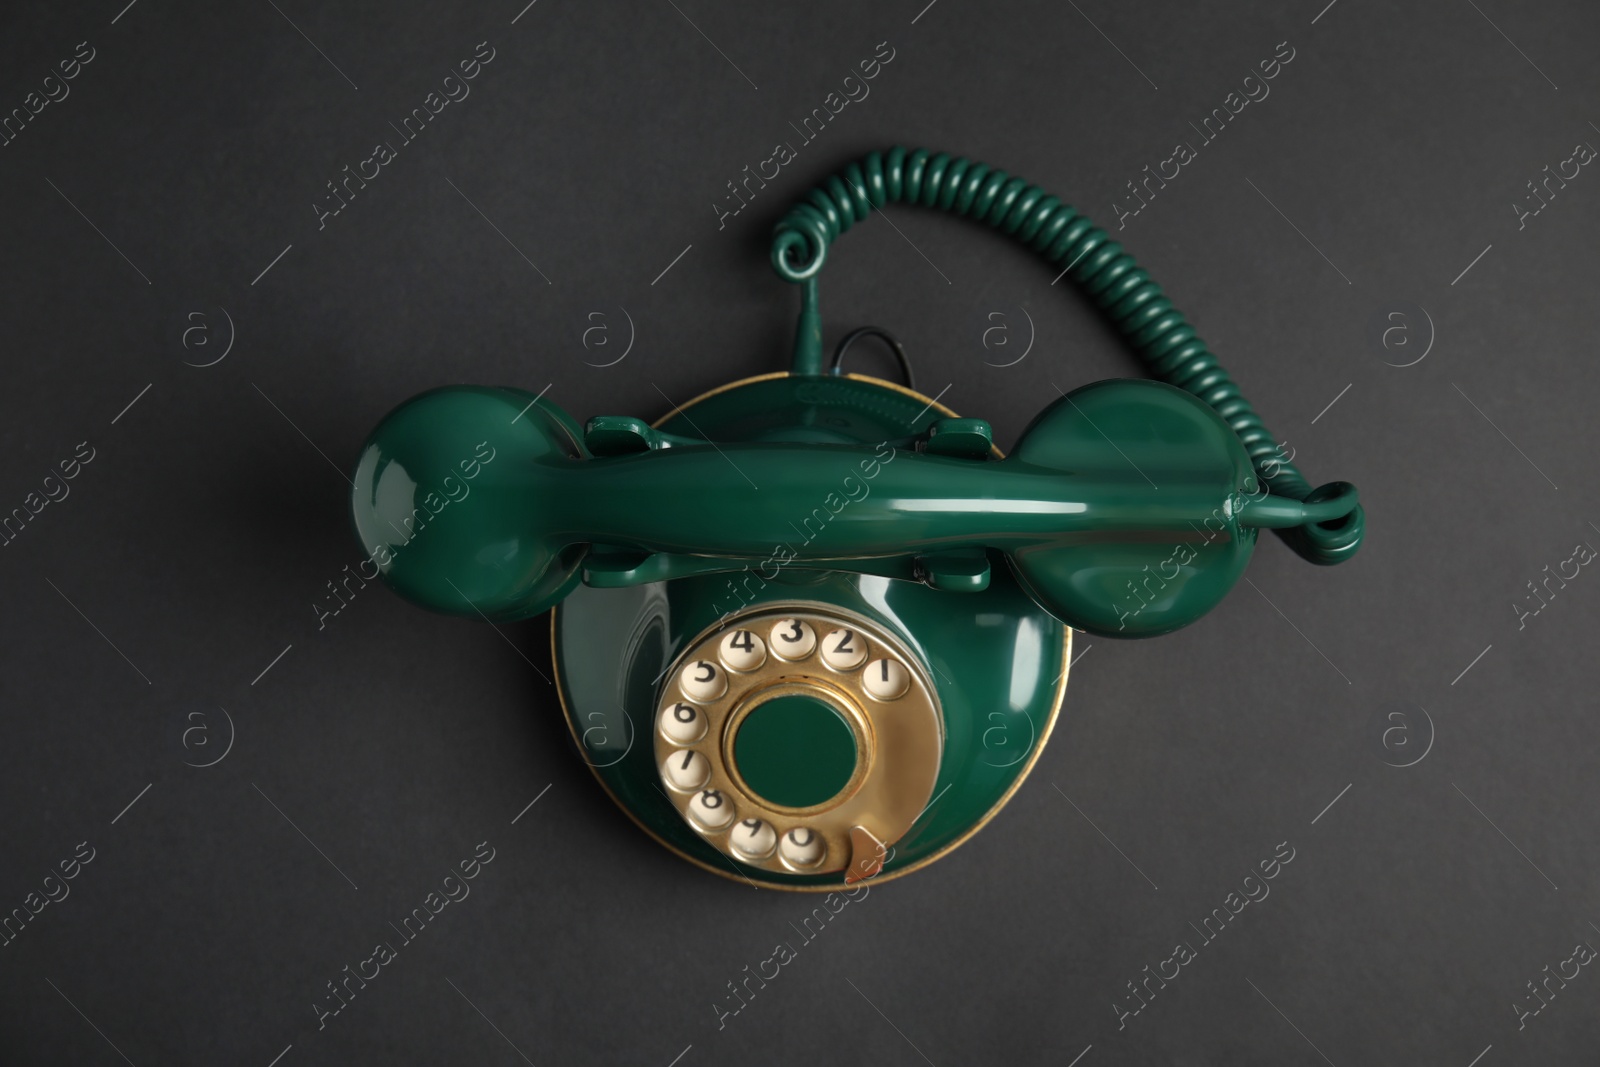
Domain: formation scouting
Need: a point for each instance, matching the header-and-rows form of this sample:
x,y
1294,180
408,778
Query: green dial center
x,y
795,751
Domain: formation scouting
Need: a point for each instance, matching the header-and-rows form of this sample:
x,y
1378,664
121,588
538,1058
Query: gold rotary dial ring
x,y
826,656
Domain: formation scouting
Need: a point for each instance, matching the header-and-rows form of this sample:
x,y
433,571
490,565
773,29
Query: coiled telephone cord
x,y
1166,343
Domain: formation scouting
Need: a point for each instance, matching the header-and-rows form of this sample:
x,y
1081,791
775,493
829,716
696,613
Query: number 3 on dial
x,y
793,639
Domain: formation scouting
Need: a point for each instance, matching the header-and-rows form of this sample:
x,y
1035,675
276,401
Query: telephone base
x,y
993,664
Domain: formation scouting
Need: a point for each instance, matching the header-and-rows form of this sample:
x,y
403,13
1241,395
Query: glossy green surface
x,y
997,658
441,494
1120,509
795,751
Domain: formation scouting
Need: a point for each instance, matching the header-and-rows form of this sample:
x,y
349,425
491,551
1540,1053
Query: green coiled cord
x,y
1170,348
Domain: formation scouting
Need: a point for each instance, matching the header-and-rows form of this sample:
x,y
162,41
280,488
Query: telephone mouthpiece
x,y
447,501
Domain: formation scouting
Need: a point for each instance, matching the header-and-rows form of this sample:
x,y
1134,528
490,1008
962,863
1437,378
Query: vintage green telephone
x,y
814,627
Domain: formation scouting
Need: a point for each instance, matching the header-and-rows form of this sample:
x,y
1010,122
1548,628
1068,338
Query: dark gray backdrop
x,y
162,207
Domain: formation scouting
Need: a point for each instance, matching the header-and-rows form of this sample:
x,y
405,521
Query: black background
x,y
192,548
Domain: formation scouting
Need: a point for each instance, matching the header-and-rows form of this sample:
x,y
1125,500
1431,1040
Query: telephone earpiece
x,y
859,513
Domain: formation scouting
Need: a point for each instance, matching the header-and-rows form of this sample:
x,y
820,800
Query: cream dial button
x,y
753,839
844,650
793,639
686,769
802,847
742,651
712,809
885,679
703,680
683,723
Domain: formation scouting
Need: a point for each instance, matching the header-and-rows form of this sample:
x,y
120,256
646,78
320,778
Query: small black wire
x,y
883,335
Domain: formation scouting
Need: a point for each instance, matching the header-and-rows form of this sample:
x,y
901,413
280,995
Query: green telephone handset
x,y
814,628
